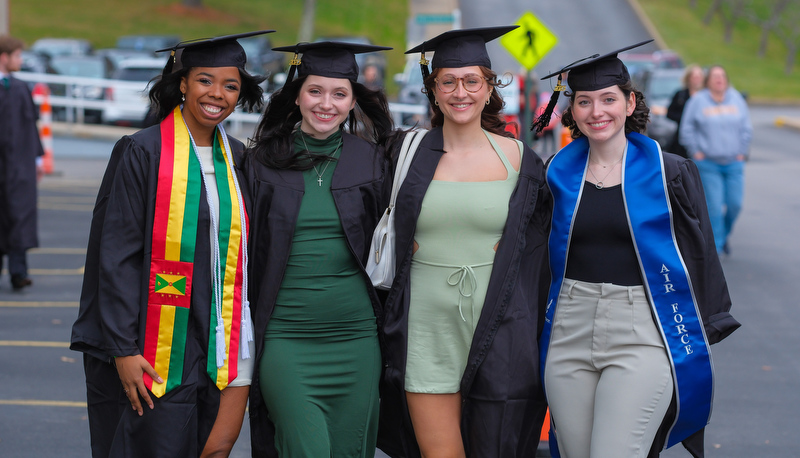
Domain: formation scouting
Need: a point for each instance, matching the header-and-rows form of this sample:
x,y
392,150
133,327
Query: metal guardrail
x,y
75,101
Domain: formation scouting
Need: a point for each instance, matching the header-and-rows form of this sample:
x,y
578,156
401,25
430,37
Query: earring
x,y
183,97
436,102
488,100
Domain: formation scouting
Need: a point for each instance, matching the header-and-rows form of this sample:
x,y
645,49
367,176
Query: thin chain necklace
x,y
599,184
327,159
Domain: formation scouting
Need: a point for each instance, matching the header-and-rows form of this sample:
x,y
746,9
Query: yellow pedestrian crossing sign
x,y
530,42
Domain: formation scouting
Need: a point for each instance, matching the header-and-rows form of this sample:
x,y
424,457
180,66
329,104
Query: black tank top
x,y
601,249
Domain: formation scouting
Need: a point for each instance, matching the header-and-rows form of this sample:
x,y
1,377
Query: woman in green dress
x,y
317,195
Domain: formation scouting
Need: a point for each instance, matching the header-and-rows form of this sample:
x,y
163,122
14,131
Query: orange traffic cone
x,y
566,136
41,96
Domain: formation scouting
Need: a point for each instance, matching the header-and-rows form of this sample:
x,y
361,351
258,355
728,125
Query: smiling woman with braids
x,y
164,320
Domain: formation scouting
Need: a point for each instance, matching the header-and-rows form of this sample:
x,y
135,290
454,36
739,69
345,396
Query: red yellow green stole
x,y
180,181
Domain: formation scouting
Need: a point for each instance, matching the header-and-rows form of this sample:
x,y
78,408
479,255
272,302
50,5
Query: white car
x,y
127,99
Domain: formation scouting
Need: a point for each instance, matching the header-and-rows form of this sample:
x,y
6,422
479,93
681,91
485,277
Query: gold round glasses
x,y
471,83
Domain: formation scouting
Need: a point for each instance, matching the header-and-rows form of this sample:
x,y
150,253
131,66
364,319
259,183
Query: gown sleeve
x,y
122,252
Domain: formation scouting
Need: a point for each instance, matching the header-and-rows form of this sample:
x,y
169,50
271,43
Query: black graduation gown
x,y
358,192
117,275
503,403
696,243
19,147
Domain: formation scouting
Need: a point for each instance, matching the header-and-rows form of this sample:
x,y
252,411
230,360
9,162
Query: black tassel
x,y
292,69
544,119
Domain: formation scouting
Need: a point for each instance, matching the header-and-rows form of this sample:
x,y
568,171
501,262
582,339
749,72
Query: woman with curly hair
x,y
637,293
461,374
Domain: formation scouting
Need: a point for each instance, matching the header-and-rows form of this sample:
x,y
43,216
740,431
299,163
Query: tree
x,y
789,33
769,24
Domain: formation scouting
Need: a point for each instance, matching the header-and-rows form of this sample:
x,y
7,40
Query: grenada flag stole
x,y
180,180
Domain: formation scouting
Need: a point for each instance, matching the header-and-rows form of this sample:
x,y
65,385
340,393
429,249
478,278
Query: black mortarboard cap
x,y
588,74
332,59
462,47
222,51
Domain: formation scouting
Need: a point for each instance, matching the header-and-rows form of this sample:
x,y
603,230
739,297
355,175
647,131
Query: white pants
x,y
607,375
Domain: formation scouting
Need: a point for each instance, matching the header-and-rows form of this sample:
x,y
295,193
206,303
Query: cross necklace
x,y
327,159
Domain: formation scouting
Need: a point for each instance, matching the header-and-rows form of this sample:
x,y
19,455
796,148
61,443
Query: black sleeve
x,y
675,110
121,255
696,240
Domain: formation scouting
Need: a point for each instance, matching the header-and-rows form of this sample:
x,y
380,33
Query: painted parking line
x,y
40,402
63,207
39,304
56,250
33,343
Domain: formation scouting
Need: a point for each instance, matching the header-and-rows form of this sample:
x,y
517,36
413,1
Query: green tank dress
x,y
321,362
458,227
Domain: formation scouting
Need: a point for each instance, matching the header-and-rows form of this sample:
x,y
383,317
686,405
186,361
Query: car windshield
x,y
89,68
662,87
137,74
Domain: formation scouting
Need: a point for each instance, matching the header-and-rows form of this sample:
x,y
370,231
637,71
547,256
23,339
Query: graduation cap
x,y
459,48
588,74
222,51
331,59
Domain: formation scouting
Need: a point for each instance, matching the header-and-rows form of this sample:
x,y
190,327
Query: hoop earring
x,y
436,102
488,100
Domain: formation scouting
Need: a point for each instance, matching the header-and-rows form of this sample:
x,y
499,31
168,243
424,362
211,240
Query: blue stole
x,y
667,284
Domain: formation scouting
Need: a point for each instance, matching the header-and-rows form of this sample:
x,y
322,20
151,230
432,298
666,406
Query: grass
x,y
763,79
384,22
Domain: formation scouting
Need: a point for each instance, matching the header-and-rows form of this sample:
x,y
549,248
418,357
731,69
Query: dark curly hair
x,y
636,122
165,94
491,119
272,144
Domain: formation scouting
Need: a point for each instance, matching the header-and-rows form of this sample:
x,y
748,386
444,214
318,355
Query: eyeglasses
x,y
471,83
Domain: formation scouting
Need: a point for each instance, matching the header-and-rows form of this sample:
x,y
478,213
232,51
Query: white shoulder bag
x,y
381,261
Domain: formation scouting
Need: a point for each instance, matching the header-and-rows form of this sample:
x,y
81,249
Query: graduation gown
x,y
19,147
112,315
503,404
695,242
358,192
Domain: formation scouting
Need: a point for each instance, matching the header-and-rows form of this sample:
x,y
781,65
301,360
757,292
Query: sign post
x,y
529,44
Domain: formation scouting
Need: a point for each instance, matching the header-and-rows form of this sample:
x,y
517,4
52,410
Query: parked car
x,y
147,43
86,67
34,62
261,59
117,55
659,85
639,64
410,92
51,47
128,102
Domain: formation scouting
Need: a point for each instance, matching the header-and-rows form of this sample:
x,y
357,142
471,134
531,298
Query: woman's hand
x,y
699,156
130,369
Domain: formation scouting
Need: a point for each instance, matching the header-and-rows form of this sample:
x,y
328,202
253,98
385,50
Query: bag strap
x,y
410,144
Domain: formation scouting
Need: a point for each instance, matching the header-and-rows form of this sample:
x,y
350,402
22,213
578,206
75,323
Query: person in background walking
x,y
716,131
693,80
20,149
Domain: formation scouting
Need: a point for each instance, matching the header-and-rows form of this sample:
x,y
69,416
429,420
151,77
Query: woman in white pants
x,y
637,292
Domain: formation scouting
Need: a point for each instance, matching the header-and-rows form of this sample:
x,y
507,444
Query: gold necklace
x,y
599,184
327,159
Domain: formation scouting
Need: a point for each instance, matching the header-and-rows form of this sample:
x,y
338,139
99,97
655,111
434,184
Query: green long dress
x,y
321,362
